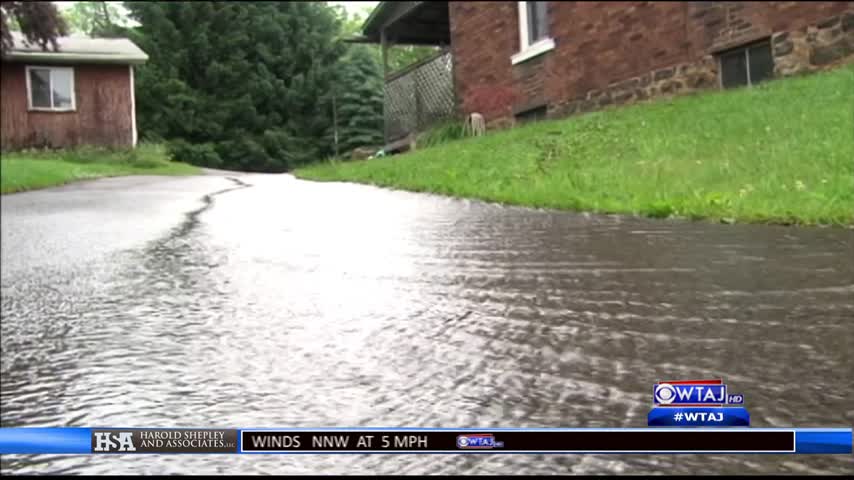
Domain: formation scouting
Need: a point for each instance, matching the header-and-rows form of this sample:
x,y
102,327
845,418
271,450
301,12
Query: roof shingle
x,y
78,49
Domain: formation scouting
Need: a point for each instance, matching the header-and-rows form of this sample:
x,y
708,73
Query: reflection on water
x,y
296,304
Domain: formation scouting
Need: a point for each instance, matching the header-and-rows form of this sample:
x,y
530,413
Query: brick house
x,y
82,94
515,61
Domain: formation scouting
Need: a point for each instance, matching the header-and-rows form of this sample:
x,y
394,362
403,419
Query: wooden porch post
x,y
384,43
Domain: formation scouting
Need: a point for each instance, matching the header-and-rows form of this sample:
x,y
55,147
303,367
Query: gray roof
x,y
77,49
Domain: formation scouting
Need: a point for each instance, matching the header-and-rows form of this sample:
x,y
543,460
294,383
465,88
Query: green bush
x,y
82,154
144,155
147,155
438,134
202,154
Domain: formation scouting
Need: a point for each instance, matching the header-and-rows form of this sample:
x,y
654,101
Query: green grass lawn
x,y
38,169
780,152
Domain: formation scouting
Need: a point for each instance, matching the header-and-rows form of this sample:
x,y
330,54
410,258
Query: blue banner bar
x,y
45,440
823,441
81,440
698,417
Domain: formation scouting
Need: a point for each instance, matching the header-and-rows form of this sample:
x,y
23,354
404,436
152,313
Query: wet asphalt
x,y
250,300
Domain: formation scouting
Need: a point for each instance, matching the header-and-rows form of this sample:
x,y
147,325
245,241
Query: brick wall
x,y
621,52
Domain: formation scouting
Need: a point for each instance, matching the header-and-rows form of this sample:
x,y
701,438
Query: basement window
x,y
50,89
532,115
747,65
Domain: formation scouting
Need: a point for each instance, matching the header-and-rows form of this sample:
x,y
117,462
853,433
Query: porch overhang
x,y
408,23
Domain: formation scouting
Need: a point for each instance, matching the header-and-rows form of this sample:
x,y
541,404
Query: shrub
x,y
146,155
201,154
438,134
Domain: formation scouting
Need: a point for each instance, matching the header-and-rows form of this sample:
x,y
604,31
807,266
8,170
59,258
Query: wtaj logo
x,y
478,441
114,442
694,393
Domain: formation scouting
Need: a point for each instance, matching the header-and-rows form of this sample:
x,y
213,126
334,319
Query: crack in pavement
x,y
192,217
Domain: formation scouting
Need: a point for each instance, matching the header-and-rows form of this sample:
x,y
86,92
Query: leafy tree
x,y
96,19
402,56
398,56
351,24
237,85
12,23
39,22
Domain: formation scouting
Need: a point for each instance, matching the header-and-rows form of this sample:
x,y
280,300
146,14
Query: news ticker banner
x,y
424,440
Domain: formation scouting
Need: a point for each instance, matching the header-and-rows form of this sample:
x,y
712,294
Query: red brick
x,y
603,43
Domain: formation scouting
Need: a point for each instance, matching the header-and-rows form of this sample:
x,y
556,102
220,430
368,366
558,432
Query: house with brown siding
x,y
518,61
81,94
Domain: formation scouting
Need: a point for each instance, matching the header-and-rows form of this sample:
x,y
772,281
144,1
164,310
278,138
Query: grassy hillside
x,y
38,169
779,152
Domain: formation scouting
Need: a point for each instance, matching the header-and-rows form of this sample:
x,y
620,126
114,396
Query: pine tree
x,y
359,99
237,85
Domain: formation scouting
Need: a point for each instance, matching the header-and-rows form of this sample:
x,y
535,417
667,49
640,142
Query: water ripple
x,y
344,305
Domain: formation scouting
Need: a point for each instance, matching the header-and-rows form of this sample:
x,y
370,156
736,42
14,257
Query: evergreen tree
x,y
237,85
359,99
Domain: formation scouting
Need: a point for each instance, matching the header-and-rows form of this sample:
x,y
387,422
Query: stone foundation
x,y
816,47
812,48
676,79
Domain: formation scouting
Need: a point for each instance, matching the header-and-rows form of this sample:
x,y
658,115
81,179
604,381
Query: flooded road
x,y
265,301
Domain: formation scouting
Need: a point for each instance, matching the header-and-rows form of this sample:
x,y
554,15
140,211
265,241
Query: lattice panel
x,y
419,97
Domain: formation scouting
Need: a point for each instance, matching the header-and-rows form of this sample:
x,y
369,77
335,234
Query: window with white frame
x,y
50,88
534,36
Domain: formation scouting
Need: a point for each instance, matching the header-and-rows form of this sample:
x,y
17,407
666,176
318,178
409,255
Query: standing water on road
x,y
298,304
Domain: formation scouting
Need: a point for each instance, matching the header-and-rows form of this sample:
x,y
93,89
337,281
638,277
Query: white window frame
x,y
30,106
529,50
